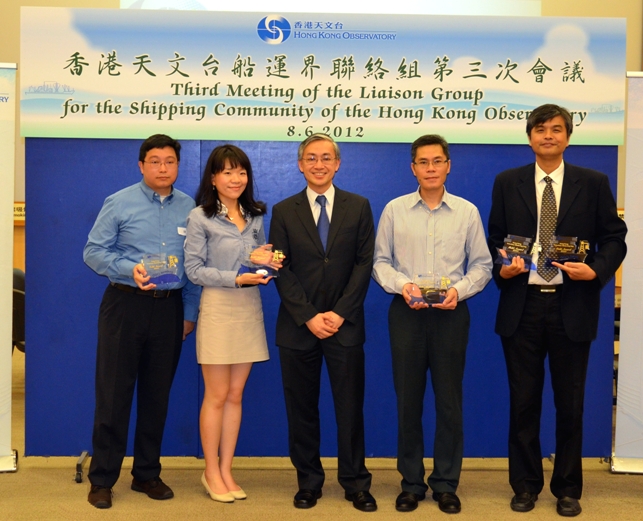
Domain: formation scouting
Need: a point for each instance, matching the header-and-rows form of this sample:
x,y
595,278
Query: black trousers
x,y
139,342
301,373
541,334
423,340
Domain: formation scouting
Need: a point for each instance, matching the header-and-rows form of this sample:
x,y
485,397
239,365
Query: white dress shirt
x,y
316,207
557,185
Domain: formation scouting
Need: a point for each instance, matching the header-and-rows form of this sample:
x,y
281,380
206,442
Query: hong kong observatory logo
x,y
273,29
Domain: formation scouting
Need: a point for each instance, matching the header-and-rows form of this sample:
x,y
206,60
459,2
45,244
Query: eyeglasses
x,y
155,163
437,163
312,160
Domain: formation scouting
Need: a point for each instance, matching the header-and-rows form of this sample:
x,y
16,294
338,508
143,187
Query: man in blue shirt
x,y
430,231
141,325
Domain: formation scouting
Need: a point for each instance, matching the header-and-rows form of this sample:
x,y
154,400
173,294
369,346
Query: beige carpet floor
x,y
44,489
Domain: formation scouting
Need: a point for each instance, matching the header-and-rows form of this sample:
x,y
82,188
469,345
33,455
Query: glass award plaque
x,y
516,246
255,259
161,268
566,249
430,288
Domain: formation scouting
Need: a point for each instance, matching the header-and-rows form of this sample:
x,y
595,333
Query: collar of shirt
x,y
223,212
151,194
447,200
315,208
556,177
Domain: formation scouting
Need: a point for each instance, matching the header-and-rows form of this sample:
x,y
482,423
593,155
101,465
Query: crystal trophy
x,y
161,268
257,259
430,288
566,249
516,246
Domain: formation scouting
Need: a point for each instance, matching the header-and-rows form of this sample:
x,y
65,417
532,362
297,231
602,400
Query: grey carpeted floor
x,y
44,488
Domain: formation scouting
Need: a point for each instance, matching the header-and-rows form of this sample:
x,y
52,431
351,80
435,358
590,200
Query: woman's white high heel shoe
x,y
223,498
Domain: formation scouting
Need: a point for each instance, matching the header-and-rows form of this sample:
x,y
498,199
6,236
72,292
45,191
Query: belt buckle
x,y
160,293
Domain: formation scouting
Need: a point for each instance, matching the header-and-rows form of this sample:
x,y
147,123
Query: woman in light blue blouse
x,y
230,332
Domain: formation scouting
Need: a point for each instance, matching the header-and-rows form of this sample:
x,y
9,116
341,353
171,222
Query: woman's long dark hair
x,y
207,195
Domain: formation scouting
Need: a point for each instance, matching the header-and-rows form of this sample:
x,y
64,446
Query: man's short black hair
x,y
430,139
546,112
159,141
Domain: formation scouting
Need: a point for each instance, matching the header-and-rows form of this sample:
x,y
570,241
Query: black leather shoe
x,y
154,488
100,497
362,500
523,502
568,506
408,501
448,502
307,498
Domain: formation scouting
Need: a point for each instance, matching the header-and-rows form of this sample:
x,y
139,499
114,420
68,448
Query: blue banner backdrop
x,y
67,181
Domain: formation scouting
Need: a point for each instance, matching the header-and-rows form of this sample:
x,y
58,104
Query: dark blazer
x,y
313,281
587,210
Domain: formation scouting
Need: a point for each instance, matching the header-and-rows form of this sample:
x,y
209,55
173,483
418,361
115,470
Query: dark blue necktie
x,y
323,224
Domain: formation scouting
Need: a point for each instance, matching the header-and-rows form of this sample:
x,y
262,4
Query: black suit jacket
x,y
587,210
313,281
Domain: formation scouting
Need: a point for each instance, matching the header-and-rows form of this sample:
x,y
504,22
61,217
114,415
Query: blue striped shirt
x,y
449,241
215,246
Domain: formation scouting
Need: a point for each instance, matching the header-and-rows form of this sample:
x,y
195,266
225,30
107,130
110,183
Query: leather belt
x,y
154,293
547,288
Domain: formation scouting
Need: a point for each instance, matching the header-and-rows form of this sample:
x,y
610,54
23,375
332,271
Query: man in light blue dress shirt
x,y
141,325
430,231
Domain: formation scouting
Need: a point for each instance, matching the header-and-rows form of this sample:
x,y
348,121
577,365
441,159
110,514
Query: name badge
x,y
182,231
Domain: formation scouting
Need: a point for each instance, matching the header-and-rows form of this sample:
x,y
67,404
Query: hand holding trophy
x,y
262,260
161,268
427,289
516,246
433,287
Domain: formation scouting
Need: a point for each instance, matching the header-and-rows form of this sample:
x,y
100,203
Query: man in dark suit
x,y
327,237
551,310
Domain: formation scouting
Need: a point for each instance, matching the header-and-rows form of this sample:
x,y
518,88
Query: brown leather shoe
x,y
100,497
154,488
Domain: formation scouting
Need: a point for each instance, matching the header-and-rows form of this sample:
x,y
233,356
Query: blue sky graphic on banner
x,y
459,7
271,76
